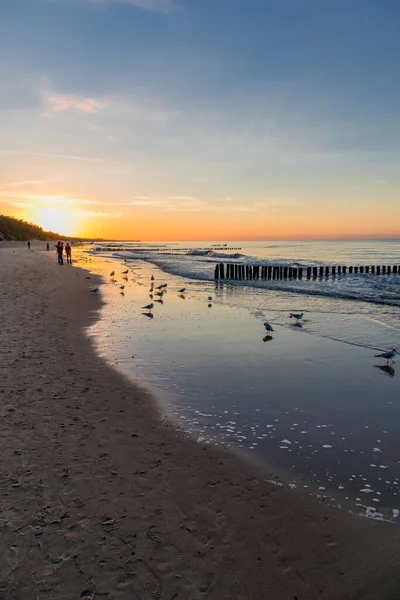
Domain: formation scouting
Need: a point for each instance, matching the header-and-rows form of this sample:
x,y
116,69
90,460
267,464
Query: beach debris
x,y
268,326
297,316
389,356
94,290
148,306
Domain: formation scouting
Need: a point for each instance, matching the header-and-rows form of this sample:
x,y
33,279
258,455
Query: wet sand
x,y
102,498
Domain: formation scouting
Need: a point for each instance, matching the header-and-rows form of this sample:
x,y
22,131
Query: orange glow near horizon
x,y
175,218
153,225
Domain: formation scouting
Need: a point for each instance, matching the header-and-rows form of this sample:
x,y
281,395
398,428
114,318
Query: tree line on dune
x,y
18,230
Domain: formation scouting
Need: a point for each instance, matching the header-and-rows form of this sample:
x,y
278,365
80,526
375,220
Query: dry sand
x,y
101,498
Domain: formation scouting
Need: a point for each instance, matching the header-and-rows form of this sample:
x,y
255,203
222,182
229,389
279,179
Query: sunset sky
x,y
201,119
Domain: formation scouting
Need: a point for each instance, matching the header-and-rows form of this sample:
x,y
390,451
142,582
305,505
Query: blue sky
x,y
190,106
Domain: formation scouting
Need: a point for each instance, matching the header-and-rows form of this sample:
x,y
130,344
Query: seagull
x,y
121,287
112,273
94,290
164,285
297,316
152,278
268,327
148,306
159,287
125,272
159,294
182,290
209,298
388,355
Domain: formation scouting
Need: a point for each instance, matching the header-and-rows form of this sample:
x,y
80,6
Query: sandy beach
x,y
103,498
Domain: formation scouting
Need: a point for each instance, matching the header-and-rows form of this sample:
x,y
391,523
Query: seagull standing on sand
x,y
121,287
268,327
125,272
152,278
388,355
94,290
209,298
112,273
148,306
297,316
182,290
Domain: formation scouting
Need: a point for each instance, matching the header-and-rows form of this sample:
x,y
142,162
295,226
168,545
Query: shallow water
x,y
199,263
313,400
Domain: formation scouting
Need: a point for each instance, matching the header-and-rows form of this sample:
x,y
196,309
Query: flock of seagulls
x,y
162,288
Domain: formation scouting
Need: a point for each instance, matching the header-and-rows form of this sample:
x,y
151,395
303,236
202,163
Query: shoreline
x,y
297,404
102,496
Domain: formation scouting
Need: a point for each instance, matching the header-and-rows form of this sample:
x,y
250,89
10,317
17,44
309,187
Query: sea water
x,y
312,400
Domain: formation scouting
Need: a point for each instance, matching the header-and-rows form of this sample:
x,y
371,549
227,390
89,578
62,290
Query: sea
x,y
308,401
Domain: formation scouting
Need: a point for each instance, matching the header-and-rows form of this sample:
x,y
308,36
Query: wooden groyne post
x,y
237,271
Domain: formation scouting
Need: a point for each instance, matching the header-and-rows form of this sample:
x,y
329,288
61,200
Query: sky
x,y
201,119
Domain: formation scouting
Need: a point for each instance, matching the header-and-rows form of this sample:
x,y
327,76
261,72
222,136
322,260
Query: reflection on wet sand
x,y
386,369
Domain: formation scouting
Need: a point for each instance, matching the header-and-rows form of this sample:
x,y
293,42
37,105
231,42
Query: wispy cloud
x,y
274,203
160,6
65,156
64,103
167,203
23,183
157,6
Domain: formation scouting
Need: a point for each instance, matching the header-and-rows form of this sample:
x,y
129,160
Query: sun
x,y
55,219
